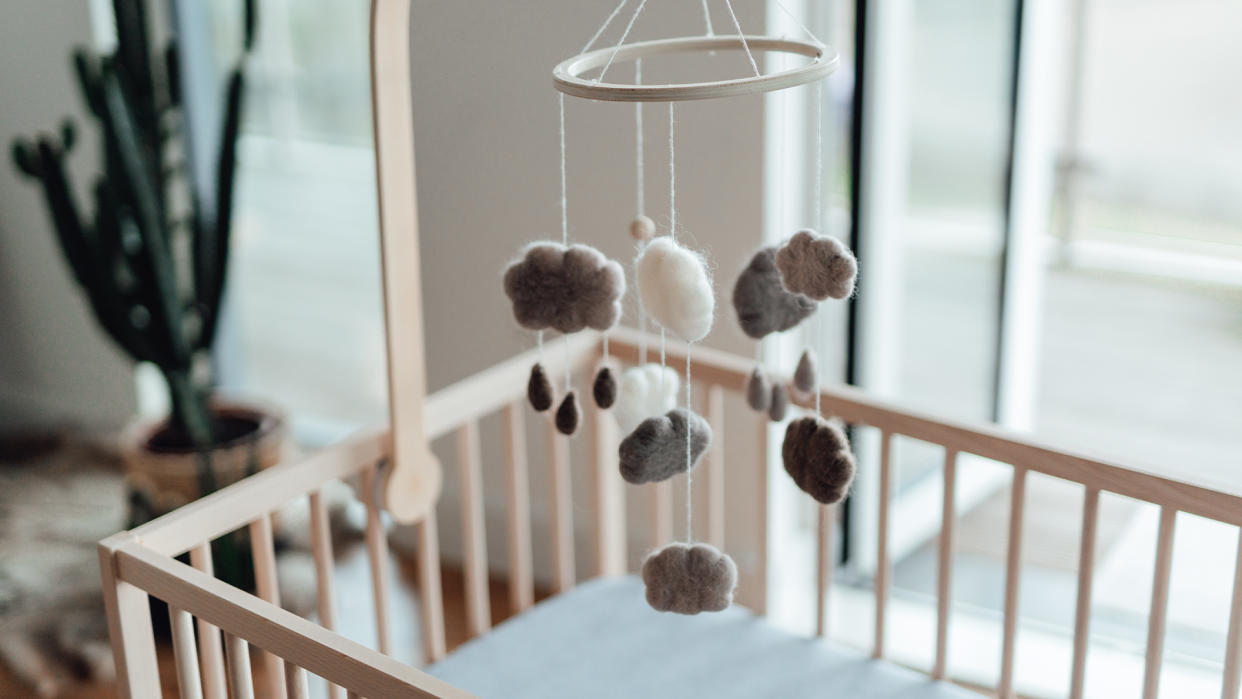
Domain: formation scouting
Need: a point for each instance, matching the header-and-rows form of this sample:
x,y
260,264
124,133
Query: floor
x,y
353,586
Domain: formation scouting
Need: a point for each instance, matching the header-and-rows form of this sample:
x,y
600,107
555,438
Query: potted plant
x,y
151,258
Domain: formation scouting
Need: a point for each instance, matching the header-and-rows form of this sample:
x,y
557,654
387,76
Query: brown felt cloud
x,y
568,415
656,449
758,390
762,304
539,389
817,456
779,404
566,289
689,578
817,266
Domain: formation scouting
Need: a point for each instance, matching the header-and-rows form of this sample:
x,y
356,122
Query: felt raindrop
x,y
675,289
644,391
689,578
604,390
568,415
656,449
806,375
779,405
817,266
762,304
539,389
816,454
758,391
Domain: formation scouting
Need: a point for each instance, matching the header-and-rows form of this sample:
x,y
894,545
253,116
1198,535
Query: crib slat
x,y
211,652
827,514
321,547
755,594
263,553
882,565
430,598
1013,573
377,555
562,511
185,655
474,535
295,682
1159,603
521,581
716,467
661,513
1233,644
1086,575
240,682
609,499
944,568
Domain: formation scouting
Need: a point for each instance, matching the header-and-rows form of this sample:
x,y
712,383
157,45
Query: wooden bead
x,y
643,229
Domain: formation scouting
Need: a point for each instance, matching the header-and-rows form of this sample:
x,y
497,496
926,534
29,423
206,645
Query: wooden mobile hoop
x,y
567,76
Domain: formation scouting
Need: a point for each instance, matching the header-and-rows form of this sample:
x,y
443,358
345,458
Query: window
x,y
1095,303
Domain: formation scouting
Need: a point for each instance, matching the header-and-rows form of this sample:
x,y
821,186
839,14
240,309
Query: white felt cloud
x,y
642,393
675,289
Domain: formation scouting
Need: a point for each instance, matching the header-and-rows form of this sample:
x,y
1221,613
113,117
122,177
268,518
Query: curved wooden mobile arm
x,y
414,478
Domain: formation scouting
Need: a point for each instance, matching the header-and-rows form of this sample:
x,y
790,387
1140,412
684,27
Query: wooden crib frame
x,y
398,464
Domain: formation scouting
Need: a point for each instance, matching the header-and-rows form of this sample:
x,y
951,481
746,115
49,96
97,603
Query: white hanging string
x,y
604,27
568,368
689,463
799,23
564,184
638,142
742,35
819,156
539,344
707,17
624,36
564,219
640,190
819,215
672,171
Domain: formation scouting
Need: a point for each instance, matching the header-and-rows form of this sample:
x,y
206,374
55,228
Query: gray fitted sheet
x,y
602,640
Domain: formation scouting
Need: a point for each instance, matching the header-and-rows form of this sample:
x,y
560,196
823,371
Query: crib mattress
x,y
602,640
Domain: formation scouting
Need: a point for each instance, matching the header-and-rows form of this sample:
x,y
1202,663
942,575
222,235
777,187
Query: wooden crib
x,y
396,471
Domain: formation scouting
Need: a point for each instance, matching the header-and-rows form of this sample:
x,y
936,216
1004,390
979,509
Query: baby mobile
x,y
570,287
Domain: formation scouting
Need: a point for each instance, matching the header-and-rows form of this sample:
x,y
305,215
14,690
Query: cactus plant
x,y
152,257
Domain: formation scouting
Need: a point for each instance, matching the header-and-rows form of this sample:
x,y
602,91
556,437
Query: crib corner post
x,y
129,626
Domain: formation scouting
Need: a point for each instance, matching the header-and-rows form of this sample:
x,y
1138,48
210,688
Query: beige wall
x,y
56,366
486,135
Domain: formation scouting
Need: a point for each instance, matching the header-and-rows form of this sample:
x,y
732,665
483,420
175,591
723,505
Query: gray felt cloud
x,y
762,304
688,579
817,456
566,289
816,265
656,449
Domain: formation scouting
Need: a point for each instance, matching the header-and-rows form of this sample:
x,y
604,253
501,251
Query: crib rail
x,y
140,563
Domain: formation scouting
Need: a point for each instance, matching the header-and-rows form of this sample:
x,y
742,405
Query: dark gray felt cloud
x,y
656,449
566,289
762,304
817,456
816,265
688,579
